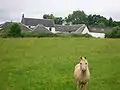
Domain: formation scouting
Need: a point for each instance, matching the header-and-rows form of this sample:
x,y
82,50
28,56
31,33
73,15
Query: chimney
x,y
22,21
22,16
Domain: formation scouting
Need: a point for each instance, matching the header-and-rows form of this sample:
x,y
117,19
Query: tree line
x,y
79,17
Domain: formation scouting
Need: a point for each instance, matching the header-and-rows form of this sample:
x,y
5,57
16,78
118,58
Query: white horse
x,y
82,74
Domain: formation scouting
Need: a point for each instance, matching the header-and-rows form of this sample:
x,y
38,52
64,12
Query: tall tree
x,y
47,16
77,17
90,20
110,22
97,20
57,20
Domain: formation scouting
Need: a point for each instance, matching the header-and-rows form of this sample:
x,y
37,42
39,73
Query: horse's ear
x,y
80,57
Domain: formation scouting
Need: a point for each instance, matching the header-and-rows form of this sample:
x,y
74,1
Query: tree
x,y
115,33
90,20
110,22
117,23
47,16
15,30
57,20
101,24
97,20
77,17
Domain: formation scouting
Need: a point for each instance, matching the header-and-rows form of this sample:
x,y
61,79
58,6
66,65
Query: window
x,y
29,26
50,29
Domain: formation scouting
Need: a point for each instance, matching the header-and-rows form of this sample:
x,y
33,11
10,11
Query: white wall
x,y
47,28
97,35
52,29
30,26
85,31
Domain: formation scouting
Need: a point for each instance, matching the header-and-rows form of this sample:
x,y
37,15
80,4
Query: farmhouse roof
x,y
1,25
99,29
41,28
23,27
5,25
35,22
70,28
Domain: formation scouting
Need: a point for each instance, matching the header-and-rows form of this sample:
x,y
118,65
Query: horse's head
x,y
83,64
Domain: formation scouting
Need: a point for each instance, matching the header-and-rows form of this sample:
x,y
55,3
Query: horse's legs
x,y
82,86
78,86
85,86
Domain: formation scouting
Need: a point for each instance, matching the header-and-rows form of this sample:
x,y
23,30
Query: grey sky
x,y
13,9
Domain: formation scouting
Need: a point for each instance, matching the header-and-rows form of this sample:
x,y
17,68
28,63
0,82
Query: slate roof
x,y
41,28
6,25
35,22
70,28
23,27
99,29
1,25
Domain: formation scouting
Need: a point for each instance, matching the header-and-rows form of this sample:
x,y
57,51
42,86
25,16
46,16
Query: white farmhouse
x,y
97,32
33,23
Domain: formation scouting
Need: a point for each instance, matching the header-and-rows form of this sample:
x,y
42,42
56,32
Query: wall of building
x,y
97,35
85,31
52,29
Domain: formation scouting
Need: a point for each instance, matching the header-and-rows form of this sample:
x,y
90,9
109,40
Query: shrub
x,y
36,34
74,35
15,30
4,33
115,33
46,35
81,35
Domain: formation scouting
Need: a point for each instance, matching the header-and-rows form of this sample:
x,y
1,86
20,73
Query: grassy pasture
x,y
48,63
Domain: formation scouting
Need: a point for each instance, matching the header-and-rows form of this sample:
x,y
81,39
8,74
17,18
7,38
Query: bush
x,y
37,34
47,35
115,33
15,30
4,33
81,35
74,35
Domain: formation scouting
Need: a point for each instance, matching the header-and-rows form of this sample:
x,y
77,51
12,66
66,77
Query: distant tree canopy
x,y
79,17
47,16
57,20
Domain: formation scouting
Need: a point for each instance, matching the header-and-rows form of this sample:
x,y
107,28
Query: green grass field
x,y
48,63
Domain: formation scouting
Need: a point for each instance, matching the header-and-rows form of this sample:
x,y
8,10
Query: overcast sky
x,y
13,9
